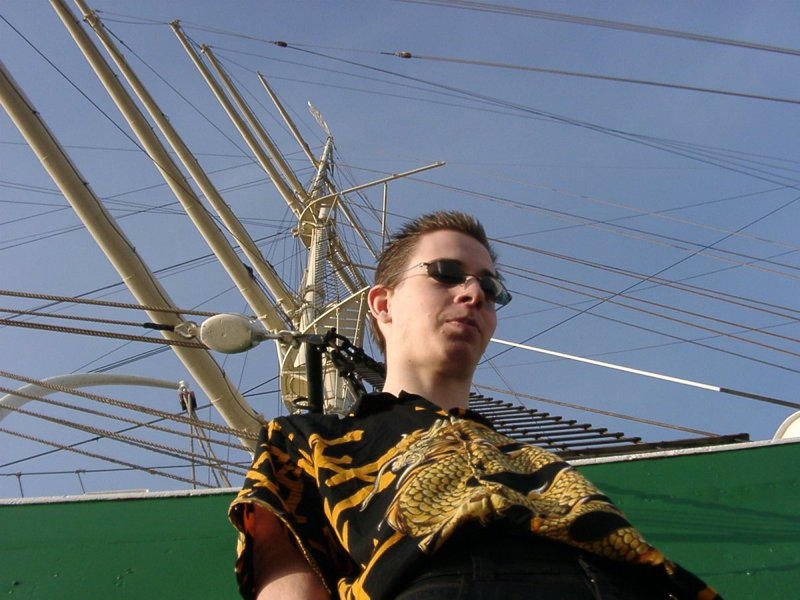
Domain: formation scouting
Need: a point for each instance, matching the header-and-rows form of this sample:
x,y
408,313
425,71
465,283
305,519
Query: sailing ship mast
x,y
132,269
285,316
322,305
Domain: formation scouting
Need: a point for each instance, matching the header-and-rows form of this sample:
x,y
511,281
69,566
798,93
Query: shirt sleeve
x,y
282,480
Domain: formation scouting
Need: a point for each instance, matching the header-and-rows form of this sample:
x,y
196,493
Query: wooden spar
x,y
362,186
307,206
252,142
172,175
256,127
145,287
263,308
289,122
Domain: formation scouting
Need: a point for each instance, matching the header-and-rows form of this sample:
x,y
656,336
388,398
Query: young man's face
x,y
430,325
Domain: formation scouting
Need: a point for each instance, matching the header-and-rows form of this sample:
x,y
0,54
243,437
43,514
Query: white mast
x,y
315,210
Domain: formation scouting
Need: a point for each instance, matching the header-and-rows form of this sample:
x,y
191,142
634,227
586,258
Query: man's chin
x,y
464,353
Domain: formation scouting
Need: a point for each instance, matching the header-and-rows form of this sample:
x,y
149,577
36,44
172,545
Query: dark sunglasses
x,y
449,272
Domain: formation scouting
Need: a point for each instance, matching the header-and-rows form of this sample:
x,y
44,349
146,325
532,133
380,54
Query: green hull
x,y
729,514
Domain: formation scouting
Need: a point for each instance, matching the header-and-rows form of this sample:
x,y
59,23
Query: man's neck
x,y
445,393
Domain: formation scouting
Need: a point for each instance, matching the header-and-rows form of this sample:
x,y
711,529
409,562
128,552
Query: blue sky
x,y
637,224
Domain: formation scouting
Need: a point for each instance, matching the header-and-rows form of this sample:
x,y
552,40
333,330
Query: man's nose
x,y
473,293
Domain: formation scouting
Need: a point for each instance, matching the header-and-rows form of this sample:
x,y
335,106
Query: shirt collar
x,y
375,402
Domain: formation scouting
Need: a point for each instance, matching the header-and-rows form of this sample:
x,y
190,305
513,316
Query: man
x,y
412,496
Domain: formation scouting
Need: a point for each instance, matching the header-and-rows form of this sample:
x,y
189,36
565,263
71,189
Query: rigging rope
x,y
38,313
668,146
499,8
133,466
609,226
674,86
129,406
609,296
107,415
78,300
130,440
605,23
107,334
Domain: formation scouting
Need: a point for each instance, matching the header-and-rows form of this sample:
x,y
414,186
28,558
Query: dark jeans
x,y
471,567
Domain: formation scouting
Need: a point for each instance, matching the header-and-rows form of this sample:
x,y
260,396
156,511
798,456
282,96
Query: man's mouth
x,y
466,321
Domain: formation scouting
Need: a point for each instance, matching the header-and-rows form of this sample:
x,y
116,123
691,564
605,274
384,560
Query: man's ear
x,y
378,299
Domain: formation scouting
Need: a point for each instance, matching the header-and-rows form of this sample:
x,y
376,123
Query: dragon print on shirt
x,y
459,471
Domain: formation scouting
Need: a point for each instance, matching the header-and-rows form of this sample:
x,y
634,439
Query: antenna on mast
x,y
318,116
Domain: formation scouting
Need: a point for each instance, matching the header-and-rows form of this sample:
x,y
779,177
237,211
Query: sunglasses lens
x,y
447,272
491,288
495,291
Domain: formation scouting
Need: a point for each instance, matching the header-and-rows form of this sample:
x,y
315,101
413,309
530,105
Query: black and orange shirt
x,y
369,495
